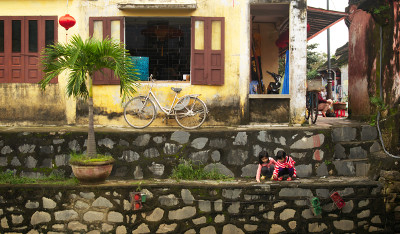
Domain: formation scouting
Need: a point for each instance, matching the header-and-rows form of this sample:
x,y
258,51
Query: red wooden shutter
x,y
106,76
208,54
23,40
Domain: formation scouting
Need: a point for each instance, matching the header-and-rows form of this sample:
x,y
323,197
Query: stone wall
x,y
343,151
228,207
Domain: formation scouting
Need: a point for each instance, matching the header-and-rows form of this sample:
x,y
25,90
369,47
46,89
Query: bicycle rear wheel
x,y
314,107
139,112
192,115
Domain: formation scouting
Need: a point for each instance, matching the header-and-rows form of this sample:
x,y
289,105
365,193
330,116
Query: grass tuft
x,y
8,177
82,159
186,170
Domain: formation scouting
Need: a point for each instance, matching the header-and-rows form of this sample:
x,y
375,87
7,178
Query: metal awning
x,y
321,19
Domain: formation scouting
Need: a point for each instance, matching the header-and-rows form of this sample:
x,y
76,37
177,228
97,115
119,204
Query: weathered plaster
x,y
297,59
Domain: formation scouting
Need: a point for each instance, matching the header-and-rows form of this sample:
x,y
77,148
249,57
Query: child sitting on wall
x,y
265,166
284,166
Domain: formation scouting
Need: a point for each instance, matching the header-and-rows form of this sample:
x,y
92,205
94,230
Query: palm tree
x,y
82,59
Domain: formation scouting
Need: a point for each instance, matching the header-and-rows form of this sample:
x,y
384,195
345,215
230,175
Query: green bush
x,y
186,170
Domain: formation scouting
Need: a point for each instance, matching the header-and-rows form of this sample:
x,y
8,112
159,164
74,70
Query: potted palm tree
x,y
82,58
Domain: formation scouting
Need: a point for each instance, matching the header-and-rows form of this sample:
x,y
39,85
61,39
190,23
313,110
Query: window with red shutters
x,y
22,38
106,27
208,50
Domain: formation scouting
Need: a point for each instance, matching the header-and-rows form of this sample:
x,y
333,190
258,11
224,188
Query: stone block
x,y
167,228
199,143
65,215
157,169
304,171
40,217
234,208
180,137
168,200
159,139
237,156
25,148
276,228
199,158
220,168
107,142
344,225
345,168
375,147
3,161
155,216
240,139
200,220
142,140
230,228
219,218
208,230
287,214
344,134
30,162
249,170
138,173
93,216
215,156
204,206
231,193
317,227
102,202
61,160
318,155
368,133
15,162
115,217
309,142
184,213
357,153
218,143
143,228
339,152
129,156
218,205
263,136
322,170
153,152
87,195
48,203
48,149
77,226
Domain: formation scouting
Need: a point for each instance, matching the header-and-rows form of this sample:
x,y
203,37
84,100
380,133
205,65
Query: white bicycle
x,y
190,112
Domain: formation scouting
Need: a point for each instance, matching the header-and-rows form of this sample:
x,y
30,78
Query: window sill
x,y
270,96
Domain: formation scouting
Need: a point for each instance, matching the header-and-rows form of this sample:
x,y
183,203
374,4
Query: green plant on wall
x,y
81,59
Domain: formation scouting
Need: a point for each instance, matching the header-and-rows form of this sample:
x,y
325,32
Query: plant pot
x,y
95,172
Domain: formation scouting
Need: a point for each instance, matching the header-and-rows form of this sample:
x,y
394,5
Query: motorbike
x,y
273,87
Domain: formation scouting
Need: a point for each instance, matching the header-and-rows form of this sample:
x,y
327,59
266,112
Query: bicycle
x,y
311,106
190,112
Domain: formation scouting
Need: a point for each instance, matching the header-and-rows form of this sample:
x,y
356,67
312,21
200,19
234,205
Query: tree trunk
x,y
91,143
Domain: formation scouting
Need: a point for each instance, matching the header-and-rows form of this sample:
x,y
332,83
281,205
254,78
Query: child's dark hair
x,y
280,155
261,155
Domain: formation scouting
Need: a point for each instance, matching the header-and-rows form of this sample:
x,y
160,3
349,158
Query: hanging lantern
x,y
67,21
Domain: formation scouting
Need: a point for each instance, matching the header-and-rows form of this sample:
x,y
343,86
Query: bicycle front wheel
x,y
192,115
139,112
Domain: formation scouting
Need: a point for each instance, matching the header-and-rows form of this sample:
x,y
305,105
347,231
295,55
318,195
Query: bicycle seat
x,y
176,90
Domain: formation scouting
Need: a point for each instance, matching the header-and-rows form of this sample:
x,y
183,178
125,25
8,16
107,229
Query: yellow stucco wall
x,y
230,96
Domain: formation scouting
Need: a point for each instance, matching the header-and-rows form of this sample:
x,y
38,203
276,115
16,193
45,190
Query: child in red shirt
x,y
265,166
284,166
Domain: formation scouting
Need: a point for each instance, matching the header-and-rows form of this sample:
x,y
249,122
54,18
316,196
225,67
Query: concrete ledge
x,y
160,5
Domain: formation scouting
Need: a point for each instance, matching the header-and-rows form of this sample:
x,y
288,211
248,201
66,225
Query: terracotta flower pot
x,y
96,172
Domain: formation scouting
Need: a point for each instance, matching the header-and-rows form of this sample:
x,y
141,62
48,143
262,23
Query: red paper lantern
x,y
67,21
